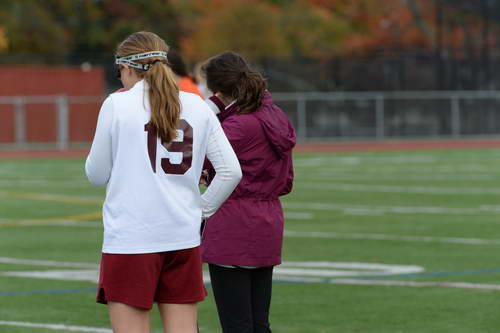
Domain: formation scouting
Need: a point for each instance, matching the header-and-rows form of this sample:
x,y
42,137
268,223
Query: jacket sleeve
x,y
289,162
289,177
99,161
227,170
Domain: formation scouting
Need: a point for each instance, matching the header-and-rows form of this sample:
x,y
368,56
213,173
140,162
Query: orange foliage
x,y
3,40
249,27
320,28
388,25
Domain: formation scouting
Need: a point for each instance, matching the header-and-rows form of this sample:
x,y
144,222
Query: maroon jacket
x,y
247,229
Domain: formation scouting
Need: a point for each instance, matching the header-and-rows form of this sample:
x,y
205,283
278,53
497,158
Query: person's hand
x,y
204,178
202,227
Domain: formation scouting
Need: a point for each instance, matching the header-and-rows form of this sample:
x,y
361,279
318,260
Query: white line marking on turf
x,y
299,216
350,209
91,275
52,197
401,189
370,169
295,275
345,175
304,272
69,223
285,270
56,327
396,283
69,275
44,183
424,239
47,263
359,160
324,268
465,285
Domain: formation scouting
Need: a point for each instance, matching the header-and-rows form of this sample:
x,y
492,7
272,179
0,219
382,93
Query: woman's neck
x,y
225,99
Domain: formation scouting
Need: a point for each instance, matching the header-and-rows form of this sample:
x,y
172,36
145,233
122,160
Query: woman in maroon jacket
x,y
243,240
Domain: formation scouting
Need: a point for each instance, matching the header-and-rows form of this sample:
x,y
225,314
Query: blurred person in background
x,y
243,239
201,80
149,147
184,80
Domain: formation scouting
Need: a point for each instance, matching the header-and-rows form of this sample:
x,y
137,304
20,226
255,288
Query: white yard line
x,y
88,275
52,197
463,285
68,223
400,189
358,160
391,283
304,272
333,269
47,263
377,210
56,327
292,269
390,169
423,239
44,183
299,216
346,175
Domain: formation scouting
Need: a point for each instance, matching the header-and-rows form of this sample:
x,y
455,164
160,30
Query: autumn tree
x,y
249,27
31,29
3,41
314,31
61,28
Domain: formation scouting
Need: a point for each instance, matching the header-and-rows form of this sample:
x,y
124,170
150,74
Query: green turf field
x,y
376,242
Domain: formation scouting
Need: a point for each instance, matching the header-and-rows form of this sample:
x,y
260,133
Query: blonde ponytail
x,y
164,100
163,89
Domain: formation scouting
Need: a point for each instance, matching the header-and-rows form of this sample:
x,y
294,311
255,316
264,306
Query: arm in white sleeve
x,y
100,162
227,172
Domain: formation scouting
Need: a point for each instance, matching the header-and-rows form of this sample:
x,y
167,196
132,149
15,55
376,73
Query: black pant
x,y
243,298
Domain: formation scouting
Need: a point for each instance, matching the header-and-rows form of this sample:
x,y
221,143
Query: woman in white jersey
x,y
150,144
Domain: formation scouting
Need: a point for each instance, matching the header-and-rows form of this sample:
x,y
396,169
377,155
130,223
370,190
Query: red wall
x,y
41,119
6,123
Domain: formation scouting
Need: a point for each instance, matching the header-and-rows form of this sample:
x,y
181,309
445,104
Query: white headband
x,y
128,60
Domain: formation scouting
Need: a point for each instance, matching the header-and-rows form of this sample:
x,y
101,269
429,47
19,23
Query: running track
x,y
369,146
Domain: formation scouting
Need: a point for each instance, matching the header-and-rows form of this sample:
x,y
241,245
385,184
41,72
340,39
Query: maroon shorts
x,y
143,279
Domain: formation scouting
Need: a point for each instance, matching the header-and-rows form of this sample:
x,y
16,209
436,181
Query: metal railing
x,y
449,108
334,115
62,107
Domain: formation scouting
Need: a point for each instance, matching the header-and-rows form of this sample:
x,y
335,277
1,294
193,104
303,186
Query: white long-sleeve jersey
x,y
153,202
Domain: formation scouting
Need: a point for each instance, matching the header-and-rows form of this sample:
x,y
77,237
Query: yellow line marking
x,y
82,217
88,216
50,197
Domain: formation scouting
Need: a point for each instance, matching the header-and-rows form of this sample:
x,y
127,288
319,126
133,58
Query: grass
x,y
344,198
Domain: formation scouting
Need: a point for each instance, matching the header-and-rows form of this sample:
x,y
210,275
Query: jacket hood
x,y
276,126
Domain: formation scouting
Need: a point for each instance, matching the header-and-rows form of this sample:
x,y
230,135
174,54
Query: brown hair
x,y
230,74
163,89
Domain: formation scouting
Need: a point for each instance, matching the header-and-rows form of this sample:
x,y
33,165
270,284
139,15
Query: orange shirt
x,y
186,84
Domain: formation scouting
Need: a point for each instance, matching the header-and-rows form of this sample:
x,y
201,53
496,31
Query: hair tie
x,y
243,75
149,64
